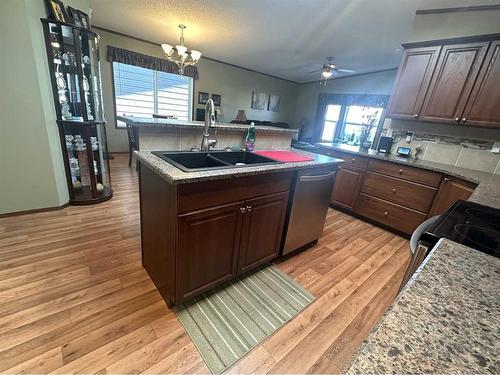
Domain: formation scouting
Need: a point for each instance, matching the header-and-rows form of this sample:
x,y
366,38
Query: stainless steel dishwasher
x,y
307,208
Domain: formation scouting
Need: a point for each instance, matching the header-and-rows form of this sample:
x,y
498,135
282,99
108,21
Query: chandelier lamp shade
x,y
180,55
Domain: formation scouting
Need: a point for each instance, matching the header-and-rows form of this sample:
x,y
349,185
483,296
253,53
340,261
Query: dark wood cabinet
x,y
198,235
451,85
412,81
346,188
262,228
451,81
483,106
450,191
208,247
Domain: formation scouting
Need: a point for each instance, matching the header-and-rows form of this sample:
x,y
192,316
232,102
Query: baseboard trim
x,y
34,211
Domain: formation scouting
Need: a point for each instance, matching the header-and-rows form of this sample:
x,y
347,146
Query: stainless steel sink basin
x,y
194,161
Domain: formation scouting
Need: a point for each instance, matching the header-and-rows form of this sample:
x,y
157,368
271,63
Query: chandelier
x,y
181,58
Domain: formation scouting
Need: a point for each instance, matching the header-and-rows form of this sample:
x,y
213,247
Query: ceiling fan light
x,y
167,48
195,55
181,50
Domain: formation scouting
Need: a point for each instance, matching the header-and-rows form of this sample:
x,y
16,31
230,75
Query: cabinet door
x,y
346,188
208,248
262,230
412,81
452,82
483,107
450,191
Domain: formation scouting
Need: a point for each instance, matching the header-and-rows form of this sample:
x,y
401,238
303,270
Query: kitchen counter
x,y
486,193
176,176
167,123
446,320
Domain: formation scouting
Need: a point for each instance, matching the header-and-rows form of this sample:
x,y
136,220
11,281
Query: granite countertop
x,y
177,176
167,123
445,321
486,193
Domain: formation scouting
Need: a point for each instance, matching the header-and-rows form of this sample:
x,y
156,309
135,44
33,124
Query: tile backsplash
x,y
452,150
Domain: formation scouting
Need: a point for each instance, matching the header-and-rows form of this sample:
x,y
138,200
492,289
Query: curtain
x,y
149,62
364,100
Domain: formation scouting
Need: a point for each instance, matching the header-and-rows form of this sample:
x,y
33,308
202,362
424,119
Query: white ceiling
x,y
283,38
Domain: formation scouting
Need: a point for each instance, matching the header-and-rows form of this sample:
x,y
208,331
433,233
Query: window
x,y
331,119
140,92
346,122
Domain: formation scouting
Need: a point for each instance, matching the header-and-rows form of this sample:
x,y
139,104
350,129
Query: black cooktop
x,y
470,224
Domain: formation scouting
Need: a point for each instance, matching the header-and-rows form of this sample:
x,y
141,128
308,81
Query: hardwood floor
x,y
75,298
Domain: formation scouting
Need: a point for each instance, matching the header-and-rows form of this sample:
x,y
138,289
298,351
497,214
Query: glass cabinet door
x,y
87,158
64,64
91,78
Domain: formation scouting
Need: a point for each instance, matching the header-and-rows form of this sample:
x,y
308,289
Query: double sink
x,y
196,161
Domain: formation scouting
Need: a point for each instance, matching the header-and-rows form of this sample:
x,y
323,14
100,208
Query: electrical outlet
x,y
496,148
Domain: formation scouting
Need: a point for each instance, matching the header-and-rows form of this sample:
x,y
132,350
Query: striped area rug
x,y
228,322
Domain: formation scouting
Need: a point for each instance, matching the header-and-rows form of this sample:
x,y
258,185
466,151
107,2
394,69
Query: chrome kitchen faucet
x,y
206,143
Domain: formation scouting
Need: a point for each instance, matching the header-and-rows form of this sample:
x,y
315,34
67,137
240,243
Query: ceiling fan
x,y
329,69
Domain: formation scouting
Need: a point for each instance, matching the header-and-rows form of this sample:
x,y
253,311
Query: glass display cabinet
x,y
73,56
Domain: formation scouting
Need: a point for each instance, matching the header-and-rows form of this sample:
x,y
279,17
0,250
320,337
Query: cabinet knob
x,y
353,159
464,119
415,115
394,191
243,210
400,171
446,179
386,213
249,208
457,118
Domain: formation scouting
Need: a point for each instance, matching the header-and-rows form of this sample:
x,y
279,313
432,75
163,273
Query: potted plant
x,y
364,143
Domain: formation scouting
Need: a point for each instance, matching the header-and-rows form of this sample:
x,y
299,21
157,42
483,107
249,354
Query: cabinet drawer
x,y
395,216
405,172
408,194
195,196
350,160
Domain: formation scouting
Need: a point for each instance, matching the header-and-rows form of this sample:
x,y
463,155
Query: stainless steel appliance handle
x,y
318,177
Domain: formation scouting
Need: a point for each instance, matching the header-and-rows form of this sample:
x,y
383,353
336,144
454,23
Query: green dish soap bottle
x,y
250,138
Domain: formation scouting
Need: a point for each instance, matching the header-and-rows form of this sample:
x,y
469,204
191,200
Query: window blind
x,y
142,92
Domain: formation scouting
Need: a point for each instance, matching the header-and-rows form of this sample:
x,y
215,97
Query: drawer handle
x,y
394,191
243,210
415,115
464,119
249,208
400,171
386,213
457,119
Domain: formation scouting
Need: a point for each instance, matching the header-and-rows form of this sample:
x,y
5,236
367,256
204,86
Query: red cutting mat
x,y
284,156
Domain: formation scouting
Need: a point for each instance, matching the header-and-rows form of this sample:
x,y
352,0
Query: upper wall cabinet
x,y
452,82
483,107
412,81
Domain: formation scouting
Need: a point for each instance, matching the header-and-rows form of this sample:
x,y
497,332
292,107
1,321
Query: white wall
x,y
31,171
234,84
379,83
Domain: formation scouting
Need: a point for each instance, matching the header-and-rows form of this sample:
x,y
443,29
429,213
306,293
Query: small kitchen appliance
x,y
384,145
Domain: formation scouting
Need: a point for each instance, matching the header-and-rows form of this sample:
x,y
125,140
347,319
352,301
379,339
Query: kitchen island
x,y
200,229
445,320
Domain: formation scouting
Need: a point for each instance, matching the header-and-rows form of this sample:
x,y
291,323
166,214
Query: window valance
x,y
363,100
150,62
